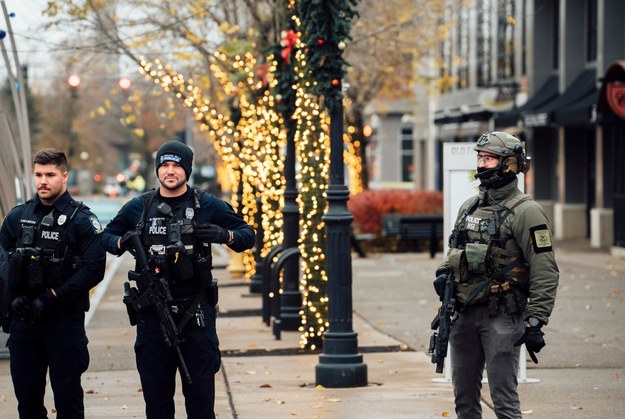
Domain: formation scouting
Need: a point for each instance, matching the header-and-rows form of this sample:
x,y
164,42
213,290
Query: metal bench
x,y
414,229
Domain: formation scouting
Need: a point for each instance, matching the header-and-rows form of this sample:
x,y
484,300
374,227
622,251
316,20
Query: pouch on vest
x,y
458,261
476,257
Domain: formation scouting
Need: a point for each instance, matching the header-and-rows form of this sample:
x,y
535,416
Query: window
x,y
462,48
505,39
484,40
591,30
556,34
406,154
524,37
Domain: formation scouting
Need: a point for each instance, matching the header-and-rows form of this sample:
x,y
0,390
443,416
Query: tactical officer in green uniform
x,y
501,254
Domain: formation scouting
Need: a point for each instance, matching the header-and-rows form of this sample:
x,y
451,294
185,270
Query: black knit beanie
x,y
177,152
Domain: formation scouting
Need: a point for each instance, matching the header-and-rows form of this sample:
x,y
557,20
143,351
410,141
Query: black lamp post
x,y
256,281
291,297
340,365
74,83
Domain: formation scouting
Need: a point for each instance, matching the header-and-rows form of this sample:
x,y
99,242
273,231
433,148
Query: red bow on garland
x,y
289,39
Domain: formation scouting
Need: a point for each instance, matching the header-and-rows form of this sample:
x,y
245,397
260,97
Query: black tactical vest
x,y
47,260
167,236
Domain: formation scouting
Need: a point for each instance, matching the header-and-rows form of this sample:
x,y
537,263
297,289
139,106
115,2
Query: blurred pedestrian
x,y
506,276
56,257
176,224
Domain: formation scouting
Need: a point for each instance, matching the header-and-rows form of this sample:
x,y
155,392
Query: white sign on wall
x,y
459,166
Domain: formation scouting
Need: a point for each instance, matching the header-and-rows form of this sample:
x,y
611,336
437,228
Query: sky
x,y
34,45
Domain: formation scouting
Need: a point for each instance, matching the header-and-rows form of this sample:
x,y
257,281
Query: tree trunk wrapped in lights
x,y
249,145
313,143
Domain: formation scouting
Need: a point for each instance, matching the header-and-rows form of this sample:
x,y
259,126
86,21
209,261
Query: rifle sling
x,y
190,311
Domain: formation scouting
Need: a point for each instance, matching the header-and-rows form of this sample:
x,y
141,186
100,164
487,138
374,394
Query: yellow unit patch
x,y
542,238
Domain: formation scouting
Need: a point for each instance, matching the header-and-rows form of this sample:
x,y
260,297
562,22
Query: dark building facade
x,y
551,72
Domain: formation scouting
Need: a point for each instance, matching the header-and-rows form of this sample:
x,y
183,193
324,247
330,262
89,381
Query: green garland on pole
x,y
325,28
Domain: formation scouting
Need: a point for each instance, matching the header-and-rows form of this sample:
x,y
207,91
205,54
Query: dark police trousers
x,y
478,339
57,343
157,365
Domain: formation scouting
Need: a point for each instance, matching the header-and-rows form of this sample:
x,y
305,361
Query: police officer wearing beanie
x,y
506,276
177,224
55,256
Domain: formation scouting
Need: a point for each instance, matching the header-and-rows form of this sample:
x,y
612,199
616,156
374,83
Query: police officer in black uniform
x,y
56,257
177,224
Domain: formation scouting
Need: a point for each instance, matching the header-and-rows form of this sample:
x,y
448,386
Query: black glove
x,y
43,303
125,243
533,340
23,307
439,284
211,233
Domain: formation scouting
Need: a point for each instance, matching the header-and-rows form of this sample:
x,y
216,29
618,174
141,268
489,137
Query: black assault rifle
x,y
442,322
155,292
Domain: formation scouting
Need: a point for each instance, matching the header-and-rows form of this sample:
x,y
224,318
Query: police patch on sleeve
x,y
541,238
97,227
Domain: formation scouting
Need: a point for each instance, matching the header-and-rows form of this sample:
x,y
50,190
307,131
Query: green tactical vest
x,y
483,248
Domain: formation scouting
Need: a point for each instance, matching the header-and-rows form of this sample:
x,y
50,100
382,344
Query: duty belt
x,y
161,249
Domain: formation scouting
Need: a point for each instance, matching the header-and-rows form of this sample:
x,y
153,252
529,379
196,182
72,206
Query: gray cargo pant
x,y
479,340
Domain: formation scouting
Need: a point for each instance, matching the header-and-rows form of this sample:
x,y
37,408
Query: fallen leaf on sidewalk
x,y
90,392
319,387
445,414
265,386
527,412
280,401
334,400
124,407
250,372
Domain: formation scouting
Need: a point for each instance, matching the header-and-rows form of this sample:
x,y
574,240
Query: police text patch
x,y
541,238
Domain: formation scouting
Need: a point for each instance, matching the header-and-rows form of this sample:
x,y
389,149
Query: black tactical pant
x,y
55,344
477,340
158,364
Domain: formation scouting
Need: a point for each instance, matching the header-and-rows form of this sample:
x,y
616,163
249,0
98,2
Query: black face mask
x,y
484,173
492,177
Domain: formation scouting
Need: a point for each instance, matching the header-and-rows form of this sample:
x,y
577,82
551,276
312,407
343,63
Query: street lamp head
x,y
73,81
124,83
